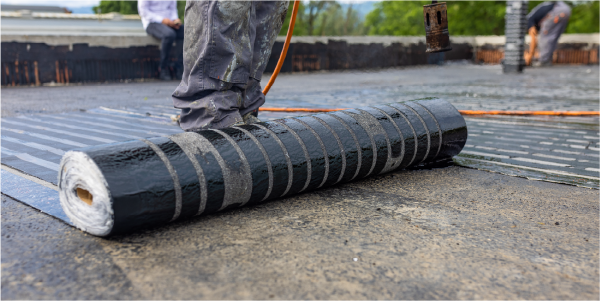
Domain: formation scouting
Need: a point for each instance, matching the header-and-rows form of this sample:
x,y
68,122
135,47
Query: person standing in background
x,y
548,20
161,21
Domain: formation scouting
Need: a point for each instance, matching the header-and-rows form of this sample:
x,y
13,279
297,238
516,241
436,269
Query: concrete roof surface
x,y
439,233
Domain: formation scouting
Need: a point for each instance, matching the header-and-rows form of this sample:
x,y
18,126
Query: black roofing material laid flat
x,y
121,187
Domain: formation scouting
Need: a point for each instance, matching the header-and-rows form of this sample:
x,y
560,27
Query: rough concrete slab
x,y
452,233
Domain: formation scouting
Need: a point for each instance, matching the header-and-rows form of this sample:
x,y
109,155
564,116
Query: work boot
x,y
176,119
249,118
541,64
165,75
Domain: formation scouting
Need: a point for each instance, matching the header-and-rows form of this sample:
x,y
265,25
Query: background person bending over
x,y
161,21
226,49
549,20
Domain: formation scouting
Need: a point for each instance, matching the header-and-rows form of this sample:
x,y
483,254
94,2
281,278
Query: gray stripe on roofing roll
x,y
323,149
211,166
366,144
342,153
396,159
377,135
265,157
121,187
257,164
393,139
437,127
277,158
305,152
452,125
183,140
286,156
236,174
186,174
421,131
433,129
427,135
176,186
331,146
404,124
314,148
295,154
240,187
349,144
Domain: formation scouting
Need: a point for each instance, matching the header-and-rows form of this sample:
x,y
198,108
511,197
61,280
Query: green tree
x,y
324,18
465,18
122,7
585,18
337,21
300,26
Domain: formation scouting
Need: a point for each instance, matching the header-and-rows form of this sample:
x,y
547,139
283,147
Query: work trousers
x,y
550,31
227,45
167,35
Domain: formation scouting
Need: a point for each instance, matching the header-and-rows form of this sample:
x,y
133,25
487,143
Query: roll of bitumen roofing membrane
x,y
121,187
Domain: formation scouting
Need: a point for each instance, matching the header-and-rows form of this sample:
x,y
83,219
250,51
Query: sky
x,y
85,3
68,3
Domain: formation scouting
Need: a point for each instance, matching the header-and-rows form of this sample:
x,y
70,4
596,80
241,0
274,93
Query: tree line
x,y
398,18
467,18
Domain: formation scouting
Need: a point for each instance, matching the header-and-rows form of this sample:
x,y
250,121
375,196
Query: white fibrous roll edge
x,y
84,194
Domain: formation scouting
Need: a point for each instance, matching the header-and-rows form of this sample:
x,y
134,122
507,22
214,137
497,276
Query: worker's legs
x,y
552,27
167,35
217,55
223,62
269,16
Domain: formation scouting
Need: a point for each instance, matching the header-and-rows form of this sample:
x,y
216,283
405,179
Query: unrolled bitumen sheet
x,y
125,186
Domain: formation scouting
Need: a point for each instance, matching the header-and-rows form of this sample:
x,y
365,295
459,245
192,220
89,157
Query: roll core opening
x,y
85,196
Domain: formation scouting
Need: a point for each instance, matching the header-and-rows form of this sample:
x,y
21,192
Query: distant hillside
x,y
363,8
81,10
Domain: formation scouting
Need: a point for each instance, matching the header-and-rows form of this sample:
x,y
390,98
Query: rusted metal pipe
x,y
437,27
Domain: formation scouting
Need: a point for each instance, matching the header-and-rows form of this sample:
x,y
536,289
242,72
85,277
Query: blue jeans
x,y
167,35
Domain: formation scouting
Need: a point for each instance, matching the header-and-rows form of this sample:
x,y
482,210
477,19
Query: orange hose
x,y
285,50
530,113
463,112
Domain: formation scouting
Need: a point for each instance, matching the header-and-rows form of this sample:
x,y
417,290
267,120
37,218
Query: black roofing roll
x,y
125,186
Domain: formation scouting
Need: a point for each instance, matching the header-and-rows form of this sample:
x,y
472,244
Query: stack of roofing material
x,y
515,30
125,186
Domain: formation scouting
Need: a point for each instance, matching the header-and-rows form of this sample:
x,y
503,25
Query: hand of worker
x,y
168,22
173,24
177,23
528,59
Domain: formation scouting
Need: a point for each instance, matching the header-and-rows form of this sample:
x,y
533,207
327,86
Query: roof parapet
x,y
27,14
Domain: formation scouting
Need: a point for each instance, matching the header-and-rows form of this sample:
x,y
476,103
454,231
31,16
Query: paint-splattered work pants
x,y
551,28
227,45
